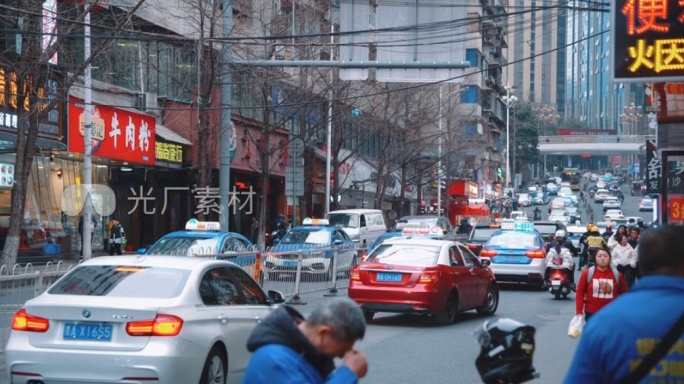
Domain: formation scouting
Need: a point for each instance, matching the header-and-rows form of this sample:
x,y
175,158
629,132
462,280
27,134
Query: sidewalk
x,y
312,300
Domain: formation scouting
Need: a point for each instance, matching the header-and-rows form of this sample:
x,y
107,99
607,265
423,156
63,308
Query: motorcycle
x,y
591,256
276,236
560,283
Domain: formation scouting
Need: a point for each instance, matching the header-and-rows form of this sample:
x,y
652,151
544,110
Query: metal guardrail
x,y
561,139
21,283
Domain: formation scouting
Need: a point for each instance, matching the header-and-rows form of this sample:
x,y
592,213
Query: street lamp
x,y
546,115
509,101
632,115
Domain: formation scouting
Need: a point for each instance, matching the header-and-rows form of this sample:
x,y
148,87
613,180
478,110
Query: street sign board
x,y
418,32
654,171
646,38
294,180
354,18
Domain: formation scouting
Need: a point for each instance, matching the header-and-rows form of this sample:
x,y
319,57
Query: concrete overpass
x,y
592,144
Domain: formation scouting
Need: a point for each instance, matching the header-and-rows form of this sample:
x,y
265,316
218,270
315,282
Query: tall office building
x,y
591,98
537,53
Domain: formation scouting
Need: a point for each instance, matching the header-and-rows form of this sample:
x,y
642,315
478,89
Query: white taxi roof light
x,y
422,231
195,225
310,221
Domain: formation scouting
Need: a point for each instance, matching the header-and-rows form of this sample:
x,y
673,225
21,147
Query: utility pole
x,y
86,238
226,121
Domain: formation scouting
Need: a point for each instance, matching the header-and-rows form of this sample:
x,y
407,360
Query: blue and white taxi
x,y
516,252
206,238
318,242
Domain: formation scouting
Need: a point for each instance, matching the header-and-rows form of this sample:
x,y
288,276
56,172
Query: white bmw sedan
x,y
139,319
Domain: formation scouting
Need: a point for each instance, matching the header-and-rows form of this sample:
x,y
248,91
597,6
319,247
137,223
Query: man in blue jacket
x,y
290,350
627,330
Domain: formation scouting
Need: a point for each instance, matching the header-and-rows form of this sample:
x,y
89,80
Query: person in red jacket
x,y
602,289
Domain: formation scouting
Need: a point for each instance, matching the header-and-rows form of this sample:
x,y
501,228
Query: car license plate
x,y
555,282
290,264
391,277
511,259
88,331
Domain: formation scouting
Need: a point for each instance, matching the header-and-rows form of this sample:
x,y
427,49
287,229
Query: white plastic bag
x,y
576,326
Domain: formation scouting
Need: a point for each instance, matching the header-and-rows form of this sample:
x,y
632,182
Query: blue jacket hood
x,y
281,328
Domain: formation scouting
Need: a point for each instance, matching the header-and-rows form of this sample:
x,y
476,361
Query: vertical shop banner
x,y
117,133
654,171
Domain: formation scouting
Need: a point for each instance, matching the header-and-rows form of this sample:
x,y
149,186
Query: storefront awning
x,y
167,134
8,142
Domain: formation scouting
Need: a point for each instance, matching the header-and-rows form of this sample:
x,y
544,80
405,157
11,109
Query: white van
x,y
362,225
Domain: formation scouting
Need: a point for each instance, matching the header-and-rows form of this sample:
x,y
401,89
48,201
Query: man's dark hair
x,y
343,316
660,250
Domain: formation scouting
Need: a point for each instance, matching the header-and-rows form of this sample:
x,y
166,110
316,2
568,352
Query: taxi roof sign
x,y
310,221
518,226
422,231
195,225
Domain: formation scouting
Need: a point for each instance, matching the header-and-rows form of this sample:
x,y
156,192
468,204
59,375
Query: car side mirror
x,y
141,251
485,263
275,297
337,242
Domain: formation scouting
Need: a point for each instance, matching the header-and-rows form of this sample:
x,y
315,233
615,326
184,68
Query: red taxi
x,y
426,276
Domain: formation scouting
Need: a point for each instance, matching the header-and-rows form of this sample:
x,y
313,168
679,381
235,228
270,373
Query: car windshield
x,y
350,220
184,246
545,228
414,255
307,236
557,212
514,240
524,196
122,281
379,241
482,234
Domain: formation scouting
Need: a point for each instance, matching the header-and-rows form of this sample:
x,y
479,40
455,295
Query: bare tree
x,y
29,72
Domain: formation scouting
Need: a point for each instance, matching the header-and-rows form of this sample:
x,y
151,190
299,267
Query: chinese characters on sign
x,y
173,153
654,171
676,208
648,39
206,199
117,133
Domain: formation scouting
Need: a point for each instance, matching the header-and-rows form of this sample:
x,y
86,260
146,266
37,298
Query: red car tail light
x,y
355,274
162,325
428,277
536,254
487,253
22,321
472,246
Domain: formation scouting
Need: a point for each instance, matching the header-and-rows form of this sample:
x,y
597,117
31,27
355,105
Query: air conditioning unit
x,y
147,102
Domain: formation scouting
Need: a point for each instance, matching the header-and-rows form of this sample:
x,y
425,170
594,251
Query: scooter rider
x,y
608,233
583,242
560,257
594,242
537,214
465,226
279,226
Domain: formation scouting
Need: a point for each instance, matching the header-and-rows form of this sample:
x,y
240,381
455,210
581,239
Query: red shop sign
x,y
117,133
